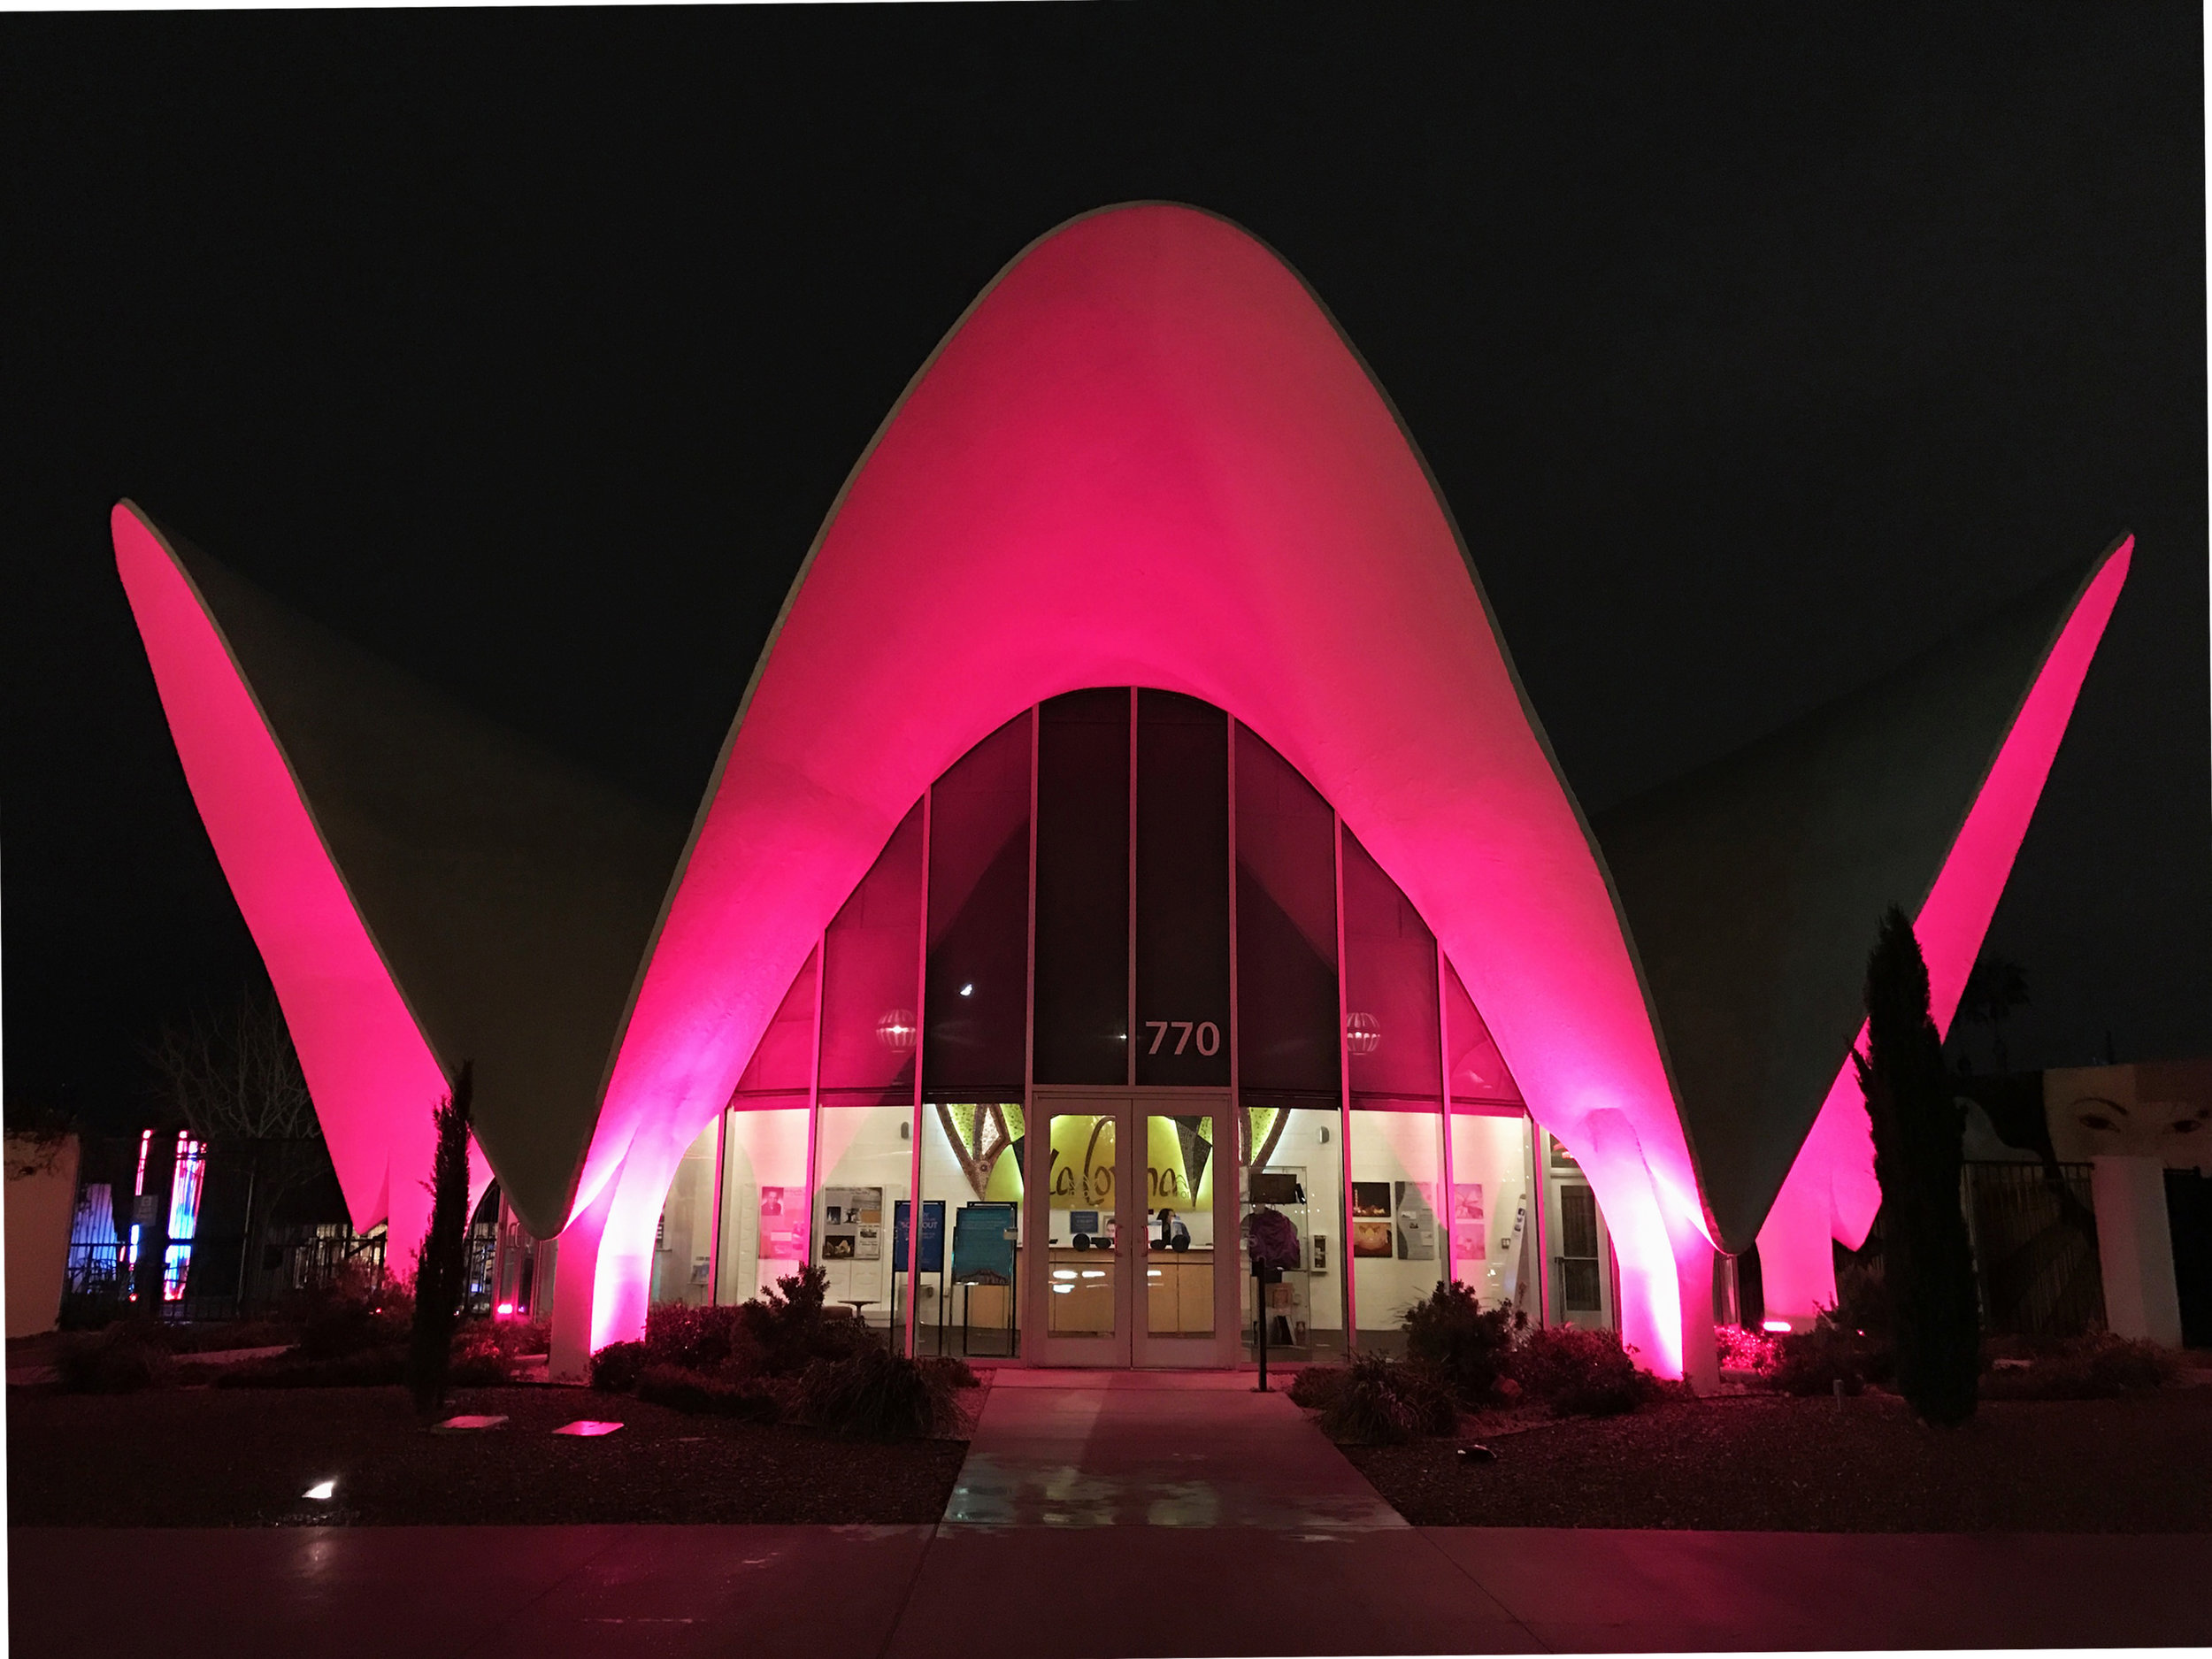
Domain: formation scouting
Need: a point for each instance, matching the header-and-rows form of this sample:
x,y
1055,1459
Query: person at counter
x,y
1173,1235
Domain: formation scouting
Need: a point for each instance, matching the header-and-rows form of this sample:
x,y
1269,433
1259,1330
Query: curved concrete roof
x,y
1754,886
1145,456
473,897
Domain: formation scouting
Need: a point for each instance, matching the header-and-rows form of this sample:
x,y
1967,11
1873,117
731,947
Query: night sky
x,y
1755,350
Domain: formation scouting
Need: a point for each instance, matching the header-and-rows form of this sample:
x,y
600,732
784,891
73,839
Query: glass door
x,y
1129,1204
1186,1255
1078,1214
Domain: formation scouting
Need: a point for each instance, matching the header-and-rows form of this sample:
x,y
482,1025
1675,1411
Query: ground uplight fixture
x,y
1774,1325
322,1491
967,990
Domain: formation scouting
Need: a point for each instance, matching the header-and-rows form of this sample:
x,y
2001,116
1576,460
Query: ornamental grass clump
x,y
1379,1401
128,1356
874,1394
1317,1387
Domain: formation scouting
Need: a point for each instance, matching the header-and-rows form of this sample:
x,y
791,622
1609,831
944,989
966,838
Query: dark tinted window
x,y
784,1061
978,919
869,999
1182,891
1286,1011
1389,986
1082,888
1478,1071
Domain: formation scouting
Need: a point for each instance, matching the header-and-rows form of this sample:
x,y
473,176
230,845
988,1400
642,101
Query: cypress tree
x,y
442,1265
1919,1132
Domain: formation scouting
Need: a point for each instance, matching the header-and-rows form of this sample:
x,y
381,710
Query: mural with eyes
x,y
2146,1111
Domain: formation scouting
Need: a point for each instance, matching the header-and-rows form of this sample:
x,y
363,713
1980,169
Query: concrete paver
x,y
1107,1448
1096,1517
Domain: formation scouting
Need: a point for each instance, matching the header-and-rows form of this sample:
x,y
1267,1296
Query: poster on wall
x,y
1416,1222
852,1224
1371,1218
1468,1242
1513,1248
783,1224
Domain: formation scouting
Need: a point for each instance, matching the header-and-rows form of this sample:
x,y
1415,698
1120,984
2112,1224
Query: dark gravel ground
x,y
242,1457
2137,1465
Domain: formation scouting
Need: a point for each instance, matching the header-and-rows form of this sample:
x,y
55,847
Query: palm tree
x,y
1994,989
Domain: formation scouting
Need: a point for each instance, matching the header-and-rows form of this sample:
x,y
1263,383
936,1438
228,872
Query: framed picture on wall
x,y
1416,1222
1371,1219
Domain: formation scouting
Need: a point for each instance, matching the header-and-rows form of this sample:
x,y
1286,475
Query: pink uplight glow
x,y
1147,457
372,1076
1830,1192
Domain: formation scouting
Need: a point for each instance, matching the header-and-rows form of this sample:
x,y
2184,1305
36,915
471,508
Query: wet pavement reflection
x,y
1115,1448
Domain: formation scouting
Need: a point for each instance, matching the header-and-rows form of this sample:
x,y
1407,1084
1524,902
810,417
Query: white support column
x,y
2135,1245
1693,1260
573,1287
1797,1258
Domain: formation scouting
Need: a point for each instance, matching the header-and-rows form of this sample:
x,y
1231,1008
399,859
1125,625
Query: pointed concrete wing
x,y
1753,886
508,896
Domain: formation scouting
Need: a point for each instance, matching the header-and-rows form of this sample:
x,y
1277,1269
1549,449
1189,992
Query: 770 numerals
x,y
1204,1033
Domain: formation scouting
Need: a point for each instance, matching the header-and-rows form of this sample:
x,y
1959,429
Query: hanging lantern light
x,y
895,1030
1362,1035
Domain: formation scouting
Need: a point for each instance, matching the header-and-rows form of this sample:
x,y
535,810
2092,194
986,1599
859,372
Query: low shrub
x,y
1371,1406
372,1368
1814,1361
1317,1387
1581,1374
352,1315
1434,1399
2101,1367
127,1356
1742,1348
1466,1345
875,1394
512,1338
615,1368
682,1390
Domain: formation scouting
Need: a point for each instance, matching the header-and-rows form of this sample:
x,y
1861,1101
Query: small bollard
x,y
1838,1393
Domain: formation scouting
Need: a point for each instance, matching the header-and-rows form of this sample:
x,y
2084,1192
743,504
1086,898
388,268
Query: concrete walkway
x,y
1096,1517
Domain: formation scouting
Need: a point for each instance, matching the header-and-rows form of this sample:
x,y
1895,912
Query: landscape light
x,y
967,990
322,1491
1774,1325
505,1308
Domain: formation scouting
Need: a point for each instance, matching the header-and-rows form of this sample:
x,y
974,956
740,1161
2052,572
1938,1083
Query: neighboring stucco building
x,y
1135,792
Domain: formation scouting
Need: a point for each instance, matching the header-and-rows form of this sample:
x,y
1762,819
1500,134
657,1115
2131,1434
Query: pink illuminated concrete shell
x,y
1829,1191
1146,456
373,1079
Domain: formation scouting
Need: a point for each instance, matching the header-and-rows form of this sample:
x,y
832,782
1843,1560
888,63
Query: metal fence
x,y
2034,1232
227,1277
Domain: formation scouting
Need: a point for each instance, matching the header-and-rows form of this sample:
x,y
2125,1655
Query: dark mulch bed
x,y
224,1457
2141,1464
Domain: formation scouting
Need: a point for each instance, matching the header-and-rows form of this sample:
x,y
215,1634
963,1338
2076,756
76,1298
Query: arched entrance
x,y
1121,974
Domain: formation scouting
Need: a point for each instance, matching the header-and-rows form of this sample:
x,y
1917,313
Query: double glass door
x,y
1128,1191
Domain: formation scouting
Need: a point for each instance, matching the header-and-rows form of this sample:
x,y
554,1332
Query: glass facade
x,y
1126,918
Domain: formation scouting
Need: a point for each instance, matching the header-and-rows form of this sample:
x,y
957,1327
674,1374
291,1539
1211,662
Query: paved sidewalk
x,y
1096,1516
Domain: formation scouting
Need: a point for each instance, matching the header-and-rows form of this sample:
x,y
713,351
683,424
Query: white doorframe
x,y
1131,1344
